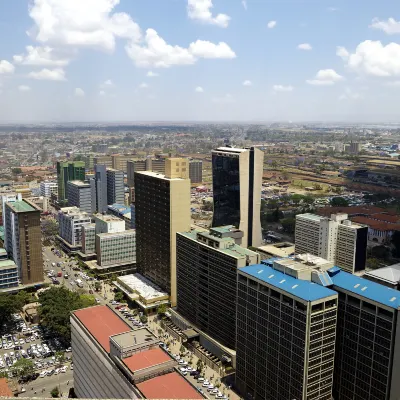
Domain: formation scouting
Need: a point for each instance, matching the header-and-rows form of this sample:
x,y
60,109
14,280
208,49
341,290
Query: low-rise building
x,y
108,224
112,361
47,188
143,292
89,239
8,274
282,249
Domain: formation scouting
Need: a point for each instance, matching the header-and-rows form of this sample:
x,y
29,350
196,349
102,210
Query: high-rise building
x,y
162,209
23,240
103,160
68,171
119,161
115,186
99,188
147,164
336,238
355,147
237,182
285,334
206,265
70,221
108,223
80,195
8,198
112,361
88,237
47,188
196,171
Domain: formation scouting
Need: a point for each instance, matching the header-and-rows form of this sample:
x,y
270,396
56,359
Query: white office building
x,y
71,220
336,239
80,195
47,188
108,224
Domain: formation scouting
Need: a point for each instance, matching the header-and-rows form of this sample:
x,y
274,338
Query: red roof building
x,y
5,390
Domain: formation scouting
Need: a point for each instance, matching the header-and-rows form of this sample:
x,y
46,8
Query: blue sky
x,y
199,60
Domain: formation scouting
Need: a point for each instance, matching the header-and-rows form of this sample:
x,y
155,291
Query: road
x,y
43,386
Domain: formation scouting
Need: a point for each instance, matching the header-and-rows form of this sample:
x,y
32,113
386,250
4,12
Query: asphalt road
x,y
43,386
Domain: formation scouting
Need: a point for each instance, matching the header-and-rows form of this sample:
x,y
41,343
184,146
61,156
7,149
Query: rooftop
x,y
142,286
133,337
230,149
122,233
282,249
79,183
102,323
159,176
5,390
7,264
145,359
169,386
389,274
107,218
366,288
302,289
21,206
313,217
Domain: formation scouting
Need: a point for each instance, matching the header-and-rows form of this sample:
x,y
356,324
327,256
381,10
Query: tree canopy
x,y
339,202
11,304
56,306
23,367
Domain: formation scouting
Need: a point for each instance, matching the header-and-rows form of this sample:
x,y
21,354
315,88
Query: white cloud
x,y
102,93
107,84
228,98
373,58
342,52
390,27
151,74
6,67
78,23
143,85
24,88
159,54
247,83
79,92
332,9
304,46
41,57
282,88
244,4
57,74
200,10
271,24
350,95
199,89
325,77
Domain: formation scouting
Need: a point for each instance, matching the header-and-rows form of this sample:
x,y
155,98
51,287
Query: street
x,y
48,383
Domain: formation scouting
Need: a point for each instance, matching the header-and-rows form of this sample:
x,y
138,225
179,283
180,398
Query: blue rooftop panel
x,y
305,290
371,290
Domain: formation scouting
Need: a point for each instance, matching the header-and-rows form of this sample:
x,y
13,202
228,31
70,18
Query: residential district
x,y
200,261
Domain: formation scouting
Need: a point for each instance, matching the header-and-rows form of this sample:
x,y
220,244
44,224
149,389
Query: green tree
x,y
396,244
60,357
297,199
57,304
381,252
9,305
288,224
162,309
23,367
143,319
55,392
372,263
16,171
182,350
200,365
97,286
207,205
3,374
119,296
50,228
339,202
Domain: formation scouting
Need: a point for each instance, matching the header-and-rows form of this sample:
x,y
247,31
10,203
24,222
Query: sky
x,y
199,60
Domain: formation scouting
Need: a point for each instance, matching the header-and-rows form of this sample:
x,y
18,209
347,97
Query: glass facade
x,y
226,188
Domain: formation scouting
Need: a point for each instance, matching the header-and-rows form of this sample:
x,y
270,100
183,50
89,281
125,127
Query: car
x,y
214,391
97,301
210,387
68,350
182,369
21,341
206,384
194,373
189,369
43,374
200,379
17,347
72,366
221,396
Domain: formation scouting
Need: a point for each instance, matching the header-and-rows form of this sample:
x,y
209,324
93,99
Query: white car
x,y
43,374
21,341
182,369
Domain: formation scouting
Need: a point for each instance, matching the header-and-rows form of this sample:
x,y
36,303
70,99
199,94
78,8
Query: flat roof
x,y
145,359
21,206
127,232
302,289
168,386
6,264
389,274
159,176
313,217
143,286
366,288
278,249
3,250
102,323
230,149
108,218
79,183
136,336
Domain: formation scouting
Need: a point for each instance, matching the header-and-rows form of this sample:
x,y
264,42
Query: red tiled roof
x,y
5,390
374,224
367,210
102,323
169,386
146,359
387,218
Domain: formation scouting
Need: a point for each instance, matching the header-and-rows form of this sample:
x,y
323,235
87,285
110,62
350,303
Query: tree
x,y
288,224
162,309
143,319
57,304
55,392
207,205
297,199
381,252
23,367
119,296
396,243
97,286
50,228
200,365
16,171
60,357
372,263
339,202
9,305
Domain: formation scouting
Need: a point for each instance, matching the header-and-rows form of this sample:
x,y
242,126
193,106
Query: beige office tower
x,y
237,182
162,210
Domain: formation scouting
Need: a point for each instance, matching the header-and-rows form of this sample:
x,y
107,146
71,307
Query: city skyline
x,y
255,61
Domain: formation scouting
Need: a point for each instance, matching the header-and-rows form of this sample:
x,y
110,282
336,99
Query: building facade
x,y
115,187
47,188
88,239
8,274
99,189
108,223
196,171
336,239
285,336
162,209
71,220
207,264
148,164
68,171
237,182
103,160
23,240
80,195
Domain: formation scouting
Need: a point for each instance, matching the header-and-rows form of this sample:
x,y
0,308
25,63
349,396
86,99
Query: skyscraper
x,y
115,186
162,209
80,195
196,171
68,171
237,182
207,264
99,188
24,239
